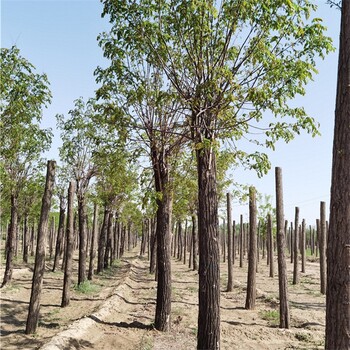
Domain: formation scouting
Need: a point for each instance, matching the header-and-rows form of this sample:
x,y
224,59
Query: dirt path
x,y
120,315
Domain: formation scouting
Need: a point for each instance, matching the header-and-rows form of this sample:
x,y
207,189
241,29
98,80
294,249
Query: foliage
x,y
231,62
23,94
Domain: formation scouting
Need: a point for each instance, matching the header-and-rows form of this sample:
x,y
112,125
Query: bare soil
x,y
119,315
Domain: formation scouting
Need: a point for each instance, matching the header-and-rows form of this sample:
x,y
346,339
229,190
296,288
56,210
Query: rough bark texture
x,y
296,247
281,246
208,336
10,242
25,239
229,246
194,242
302,246
69,246
39,267
241,241
102,242
338,244
252,254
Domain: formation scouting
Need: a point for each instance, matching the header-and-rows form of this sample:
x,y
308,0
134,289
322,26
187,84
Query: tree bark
x,y
39,267
241,241
25,239
281,246
208,336
338,247
270,240
229,245
303,239
102,242
251,280
69,246
194,242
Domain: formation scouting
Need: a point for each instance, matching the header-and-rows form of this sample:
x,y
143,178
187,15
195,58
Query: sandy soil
x,y
120,314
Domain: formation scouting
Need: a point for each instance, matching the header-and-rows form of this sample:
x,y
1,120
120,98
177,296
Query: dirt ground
x,y
119,314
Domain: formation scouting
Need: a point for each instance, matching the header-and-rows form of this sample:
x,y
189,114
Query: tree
x,y
226,84
23,95
338,243
77,150
39,267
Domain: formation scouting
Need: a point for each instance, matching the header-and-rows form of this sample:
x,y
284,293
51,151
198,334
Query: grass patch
x,y
146,343
12,287
272,316
305,337
86,287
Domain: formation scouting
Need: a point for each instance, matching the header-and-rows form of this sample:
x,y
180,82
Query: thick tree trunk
x,y
39,267
10,242
281,246
68,260
251,280
208,336
229,245
163,234
59,241
93,243
338,247
296,247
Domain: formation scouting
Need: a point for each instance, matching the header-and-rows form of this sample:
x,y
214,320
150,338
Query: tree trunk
x,y
322,247
296,247
59,241
270,240
93,243
25,239
153,248
69,246
194,242
281,246
39,267
102,242
208,336
10,242
82,239
185,243
303,238
251,281
229,246
338,247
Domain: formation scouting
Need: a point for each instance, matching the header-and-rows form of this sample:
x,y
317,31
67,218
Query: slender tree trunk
x,y
338,247
194,242
229,245
10,242
241,241
153,248
322,245
234,240
270,240
93,243
208,336
108,250
303,237
251,280
25,239
185,243
69,247
82,239
59,241
296,247
39,267
281,246
102,242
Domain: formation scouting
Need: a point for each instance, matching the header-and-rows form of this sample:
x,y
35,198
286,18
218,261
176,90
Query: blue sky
x,y
59,38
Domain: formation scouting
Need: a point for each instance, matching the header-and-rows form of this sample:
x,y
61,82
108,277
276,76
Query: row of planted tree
x,y
108,238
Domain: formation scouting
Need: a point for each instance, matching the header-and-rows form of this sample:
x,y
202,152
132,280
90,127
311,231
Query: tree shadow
x,y
134,324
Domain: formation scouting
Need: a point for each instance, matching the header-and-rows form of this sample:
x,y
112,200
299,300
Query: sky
x,y
59,38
